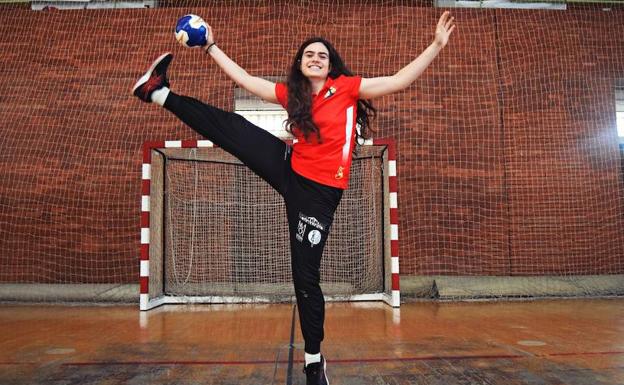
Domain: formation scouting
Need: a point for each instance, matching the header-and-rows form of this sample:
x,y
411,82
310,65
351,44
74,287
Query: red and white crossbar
x,y
394,299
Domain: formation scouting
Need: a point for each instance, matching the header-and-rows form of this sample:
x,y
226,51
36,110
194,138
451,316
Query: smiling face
x,y
315,61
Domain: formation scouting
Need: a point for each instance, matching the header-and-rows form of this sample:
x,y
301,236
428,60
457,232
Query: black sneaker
x,y
154,79
316,373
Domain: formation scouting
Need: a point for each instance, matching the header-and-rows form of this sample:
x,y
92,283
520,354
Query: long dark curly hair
x,y
300,95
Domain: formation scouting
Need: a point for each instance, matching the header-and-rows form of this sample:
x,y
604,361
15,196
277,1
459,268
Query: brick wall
x,y
508,155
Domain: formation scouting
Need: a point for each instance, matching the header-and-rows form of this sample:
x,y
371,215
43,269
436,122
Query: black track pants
x,y
310,206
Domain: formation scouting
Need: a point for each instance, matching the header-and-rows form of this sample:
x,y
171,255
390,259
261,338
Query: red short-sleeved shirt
x,y
334,112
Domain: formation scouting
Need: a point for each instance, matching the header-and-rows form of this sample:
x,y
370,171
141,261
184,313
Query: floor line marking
x,y
334,361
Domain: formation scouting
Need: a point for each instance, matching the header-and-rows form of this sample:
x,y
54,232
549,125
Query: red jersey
x,y
334,111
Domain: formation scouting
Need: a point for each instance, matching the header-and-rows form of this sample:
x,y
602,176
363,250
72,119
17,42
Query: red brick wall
x,y
508,156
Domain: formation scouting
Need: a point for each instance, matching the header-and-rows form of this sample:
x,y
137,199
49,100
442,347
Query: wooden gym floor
x,y
545,342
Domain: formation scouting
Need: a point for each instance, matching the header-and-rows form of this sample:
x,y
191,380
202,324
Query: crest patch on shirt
x,y
330,92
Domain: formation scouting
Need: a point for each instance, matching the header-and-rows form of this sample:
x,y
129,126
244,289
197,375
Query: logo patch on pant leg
x,y
314,237
311,221
301,227
315,234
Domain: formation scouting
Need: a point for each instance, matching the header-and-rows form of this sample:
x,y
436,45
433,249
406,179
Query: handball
x,y
191,31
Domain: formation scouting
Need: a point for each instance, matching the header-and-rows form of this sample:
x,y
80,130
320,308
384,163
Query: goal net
x,y
218,233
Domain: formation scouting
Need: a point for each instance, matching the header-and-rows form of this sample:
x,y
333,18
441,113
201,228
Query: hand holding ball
x,y
191,31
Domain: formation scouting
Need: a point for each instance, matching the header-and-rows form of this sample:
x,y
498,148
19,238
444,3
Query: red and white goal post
x,y
214,232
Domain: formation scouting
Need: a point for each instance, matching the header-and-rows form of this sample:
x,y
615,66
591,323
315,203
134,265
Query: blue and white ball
x,y
191,31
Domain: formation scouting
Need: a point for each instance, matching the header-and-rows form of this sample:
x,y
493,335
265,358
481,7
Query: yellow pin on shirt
x,y
339,173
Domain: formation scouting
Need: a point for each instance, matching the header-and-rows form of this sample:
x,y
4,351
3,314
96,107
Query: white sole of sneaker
x,y
147,75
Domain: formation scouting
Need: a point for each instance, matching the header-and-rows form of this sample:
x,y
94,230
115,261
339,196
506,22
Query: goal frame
x,y
391,294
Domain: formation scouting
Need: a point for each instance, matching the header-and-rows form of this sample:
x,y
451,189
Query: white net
x,y
508,157
225,231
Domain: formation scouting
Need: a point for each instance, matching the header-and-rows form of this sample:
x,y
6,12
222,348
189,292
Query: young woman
x,y
325,102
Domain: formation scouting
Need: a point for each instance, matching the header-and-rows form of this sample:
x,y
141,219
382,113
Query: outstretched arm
x,y
262,88
375,87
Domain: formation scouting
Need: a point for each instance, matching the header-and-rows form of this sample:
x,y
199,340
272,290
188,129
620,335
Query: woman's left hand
x,y
444,29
